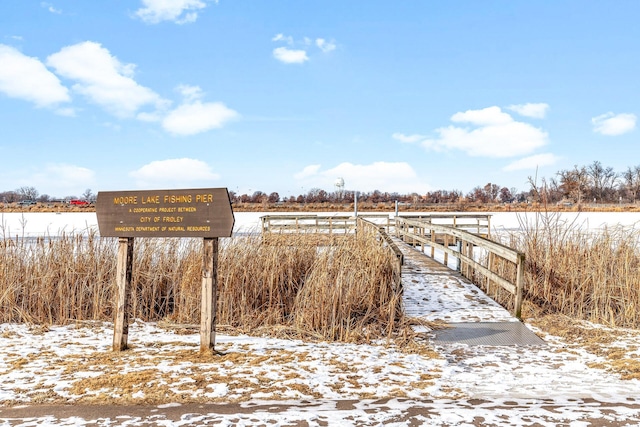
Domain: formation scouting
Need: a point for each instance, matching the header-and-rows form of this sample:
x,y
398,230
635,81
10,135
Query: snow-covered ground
x,y
318,383
271,381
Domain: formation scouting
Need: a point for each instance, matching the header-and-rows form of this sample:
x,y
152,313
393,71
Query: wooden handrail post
x,y
446,254
467,264
464,265
472,270
433,240
124,274
490,258
517,310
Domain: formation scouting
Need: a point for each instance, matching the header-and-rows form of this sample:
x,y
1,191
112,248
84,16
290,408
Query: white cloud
x,y
193,116
407,139
190,93
63,178
290,56
325,46
178,11
536,111
70,173
174,173
308,171
614,124
27,78
532,162
495,134
197,117
384,176
50,8
486,117
282,38
103,79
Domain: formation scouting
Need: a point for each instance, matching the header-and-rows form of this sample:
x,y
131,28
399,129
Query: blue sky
x,y
289,95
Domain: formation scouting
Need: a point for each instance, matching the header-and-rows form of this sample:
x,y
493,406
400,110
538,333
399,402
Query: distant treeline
x,y
32,193
593,183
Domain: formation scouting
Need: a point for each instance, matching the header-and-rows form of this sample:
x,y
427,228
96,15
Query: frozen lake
x,y
53,224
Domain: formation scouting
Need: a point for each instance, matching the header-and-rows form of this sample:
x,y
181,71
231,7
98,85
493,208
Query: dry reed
x,y
339,292
350,289
585,274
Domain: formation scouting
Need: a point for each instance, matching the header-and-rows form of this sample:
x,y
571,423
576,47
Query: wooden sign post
x,y
124,274
204,212
209,294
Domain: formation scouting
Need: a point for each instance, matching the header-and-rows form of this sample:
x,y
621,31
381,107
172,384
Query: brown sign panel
x,y
201,212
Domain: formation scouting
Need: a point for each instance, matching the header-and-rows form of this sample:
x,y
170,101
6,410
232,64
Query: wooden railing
x,y
473,223
363,224
330,224
425,233
301,224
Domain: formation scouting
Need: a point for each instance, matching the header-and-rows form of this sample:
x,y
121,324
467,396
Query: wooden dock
x,y
436,293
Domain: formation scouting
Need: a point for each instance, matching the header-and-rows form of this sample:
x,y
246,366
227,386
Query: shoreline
x,y
364,207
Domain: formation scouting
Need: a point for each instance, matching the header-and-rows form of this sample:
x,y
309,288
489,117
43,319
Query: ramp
x,y
436,293
488,333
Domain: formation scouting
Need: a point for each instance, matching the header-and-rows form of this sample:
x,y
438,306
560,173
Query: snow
x,y
34,224
271,381
501,385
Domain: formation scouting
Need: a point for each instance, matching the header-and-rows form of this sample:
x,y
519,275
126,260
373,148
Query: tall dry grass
x,y
350,289
582,273
340,292
55,280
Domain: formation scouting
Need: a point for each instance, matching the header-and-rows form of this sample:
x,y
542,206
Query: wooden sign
x,y
202,212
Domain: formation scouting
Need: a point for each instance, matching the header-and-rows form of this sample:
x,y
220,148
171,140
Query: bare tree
x,y
492,191
602,181
317,195
574,183
88,196
27,193
9,197
505,195
274,197
631,182
478,194
258,197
